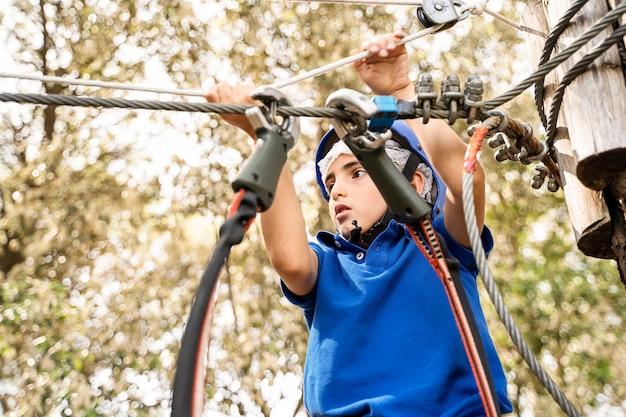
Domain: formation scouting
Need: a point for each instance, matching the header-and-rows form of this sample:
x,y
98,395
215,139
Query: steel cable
x,y
500,306
574,72
558,59
549,46
67,100
439,110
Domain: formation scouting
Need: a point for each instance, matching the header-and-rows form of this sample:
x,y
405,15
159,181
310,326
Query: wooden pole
x,y
617,189
591,137
595,100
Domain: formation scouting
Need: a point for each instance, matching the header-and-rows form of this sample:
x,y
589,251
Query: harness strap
x,y
448,270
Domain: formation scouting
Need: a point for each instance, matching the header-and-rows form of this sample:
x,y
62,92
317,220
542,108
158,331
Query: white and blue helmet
x,y
408,162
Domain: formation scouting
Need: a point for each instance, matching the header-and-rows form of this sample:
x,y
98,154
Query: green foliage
x,y
107,217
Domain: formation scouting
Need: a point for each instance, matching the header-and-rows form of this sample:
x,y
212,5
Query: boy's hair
x,y
405,152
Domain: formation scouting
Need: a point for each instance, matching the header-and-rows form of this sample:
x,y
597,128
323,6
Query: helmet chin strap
x,y
365,239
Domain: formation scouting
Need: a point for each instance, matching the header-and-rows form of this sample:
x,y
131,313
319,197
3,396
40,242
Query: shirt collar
x,y
340,243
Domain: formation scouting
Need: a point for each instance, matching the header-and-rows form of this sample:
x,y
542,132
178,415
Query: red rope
x,y
235,207
198,394
440,266
471,154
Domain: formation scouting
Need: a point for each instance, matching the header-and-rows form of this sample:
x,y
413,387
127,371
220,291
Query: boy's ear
x,y
417,181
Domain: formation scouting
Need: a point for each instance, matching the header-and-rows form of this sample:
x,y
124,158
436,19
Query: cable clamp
x,y
473,96
452,96
425,95
526,159
507,151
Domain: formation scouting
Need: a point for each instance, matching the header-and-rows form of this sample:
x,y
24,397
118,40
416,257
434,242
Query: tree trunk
x,y
591,141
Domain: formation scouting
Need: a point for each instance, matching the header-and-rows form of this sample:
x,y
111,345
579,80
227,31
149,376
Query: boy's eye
x,y
359,172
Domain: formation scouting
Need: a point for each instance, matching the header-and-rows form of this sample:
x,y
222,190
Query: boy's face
x,y
353,196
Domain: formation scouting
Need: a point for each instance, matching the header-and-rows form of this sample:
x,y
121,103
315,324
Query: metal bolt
x,y
438,7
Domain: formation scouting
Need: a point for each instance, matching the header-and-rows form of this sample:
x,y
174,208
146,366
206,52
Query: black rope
x,y
188,392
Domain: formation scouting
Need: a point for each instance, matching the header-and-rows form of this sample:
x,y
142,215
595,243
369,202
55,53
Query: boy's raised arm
x,y
387,73
282,224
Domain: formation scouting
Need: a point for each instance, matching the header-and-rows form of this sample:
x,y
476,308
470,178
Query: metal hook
x,y
361,107
272,97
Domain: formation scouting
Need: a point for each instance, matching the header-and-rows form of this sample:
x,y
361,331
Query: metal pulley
x,y
437,12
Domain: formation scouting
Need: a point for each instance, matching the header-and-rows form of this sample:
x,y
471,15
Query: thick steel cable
x,y
549,46
67,100
542,71
498,302
538,75
547,51
439,109
574,72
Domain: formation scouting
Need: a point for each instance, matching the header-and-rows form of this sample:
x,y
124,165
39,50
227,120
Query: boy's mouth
x,y
341,211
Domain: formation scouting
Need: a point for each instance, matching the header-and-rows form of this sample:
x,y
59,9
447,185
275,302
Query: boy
x,y
383,341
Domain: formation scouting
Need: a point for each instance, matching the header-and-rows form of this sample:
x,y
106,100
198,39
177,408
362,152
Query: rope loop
x,y
476,9
499,117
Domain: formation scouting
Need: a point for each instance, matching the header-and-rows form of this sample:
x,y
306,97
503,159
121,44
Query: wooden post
x,y
596,100
591,141
617,188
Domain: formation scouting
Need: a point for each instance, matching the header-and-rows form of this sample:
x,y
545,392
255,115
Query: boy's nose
x,y
338,190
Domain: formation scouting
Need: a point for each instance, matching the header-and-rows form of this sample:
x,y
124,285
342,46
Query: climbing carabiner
x,y
272,98
359,105
355,129
274,140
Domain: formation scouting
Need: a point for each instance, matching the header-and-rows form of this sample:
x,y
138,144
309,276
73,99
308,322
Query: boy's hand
x,y
386,72
234,93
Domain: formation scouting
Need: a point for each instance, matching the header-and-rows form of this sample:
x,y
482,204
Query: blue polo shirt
x,y
383,340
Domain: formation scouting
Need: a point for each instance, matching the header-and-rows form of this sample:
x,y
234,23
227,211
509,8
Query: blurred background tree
x,y
107,217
